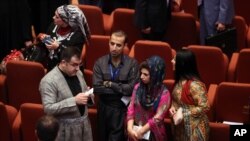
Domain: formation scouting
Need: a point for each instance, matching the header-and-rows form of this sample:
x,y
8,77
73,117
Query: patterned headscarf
x,y
75,18
149,94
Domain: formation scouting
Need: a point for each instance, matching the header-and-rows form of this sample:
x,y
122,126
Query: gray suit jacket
x,y
59,101
57,98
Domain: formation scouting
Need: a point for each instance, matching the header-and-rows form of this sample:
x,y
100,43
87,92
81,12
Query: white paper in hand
x,y
90,94
125,100
178,117
90,91
145,136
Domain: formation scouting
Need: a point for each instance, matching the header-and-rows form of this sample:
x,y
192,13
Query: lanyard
x,y
114,72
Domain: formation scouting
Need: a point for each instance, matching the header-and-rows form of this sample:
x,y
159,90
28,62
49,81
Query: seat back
x,y
99,46
88,74
123,19
241,31
28,120
242,9
143,49
248,37
219,132
212,64
8,113
23,78
94,18
190,6
181,30
3,89
93,118
232,102
243,66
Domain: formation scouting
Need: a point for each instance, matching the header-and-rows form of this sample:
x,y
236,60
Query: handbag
x,y
226,40
36,53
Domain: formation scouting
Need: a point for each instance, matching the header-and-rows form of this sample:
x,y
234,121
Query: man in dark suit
x,y
151,17
214,15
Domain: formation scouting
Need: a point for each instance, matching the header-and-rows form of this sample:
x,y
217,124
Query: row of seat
x,y
21,82
182,30
214,66
220,98
20,125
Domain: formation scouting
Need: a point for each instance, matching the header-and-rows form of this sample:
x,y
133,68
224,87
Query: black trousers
x,y
154,36
111,122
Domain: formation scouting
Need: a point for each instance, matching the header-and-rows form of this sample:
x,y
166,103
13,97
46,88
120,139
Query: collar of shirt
x,y
121,63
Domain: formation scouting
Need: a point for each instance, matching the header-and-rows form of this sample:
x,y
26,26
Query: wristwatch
x,y
107,84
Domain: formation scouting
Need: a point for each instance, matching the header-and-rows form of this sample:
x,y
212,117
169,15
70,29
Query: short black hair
x,y
68,52
47,128
121,33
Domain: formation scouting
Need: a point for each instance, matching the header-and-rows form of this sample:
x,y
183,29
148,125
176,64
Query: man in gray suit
x,y
63,96
214,16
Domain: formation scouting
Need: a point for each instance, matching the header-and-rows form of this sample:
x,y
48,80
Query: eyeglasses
x,y
75,64
112,44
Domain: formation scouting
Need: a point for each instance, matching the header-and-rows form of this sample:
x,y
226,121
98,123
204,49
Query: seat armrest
x,y
211,95
3,89
232,68
16,128
170,84
108,21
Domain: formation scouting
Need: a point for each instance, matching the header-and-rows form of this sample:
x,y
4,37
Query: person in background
x,y
123,4
189,100
15,29
41,19
88,2
70,28
114,76
47,128
64,95
214,15
151,18
150,102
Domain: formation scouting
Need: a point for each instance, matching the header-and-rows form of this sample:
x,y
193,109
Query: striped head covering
x,y
75,18
149,94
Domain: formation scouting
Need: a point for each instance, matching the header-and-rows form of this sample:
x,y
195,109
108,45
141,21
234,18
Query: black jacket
x,y
152,13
